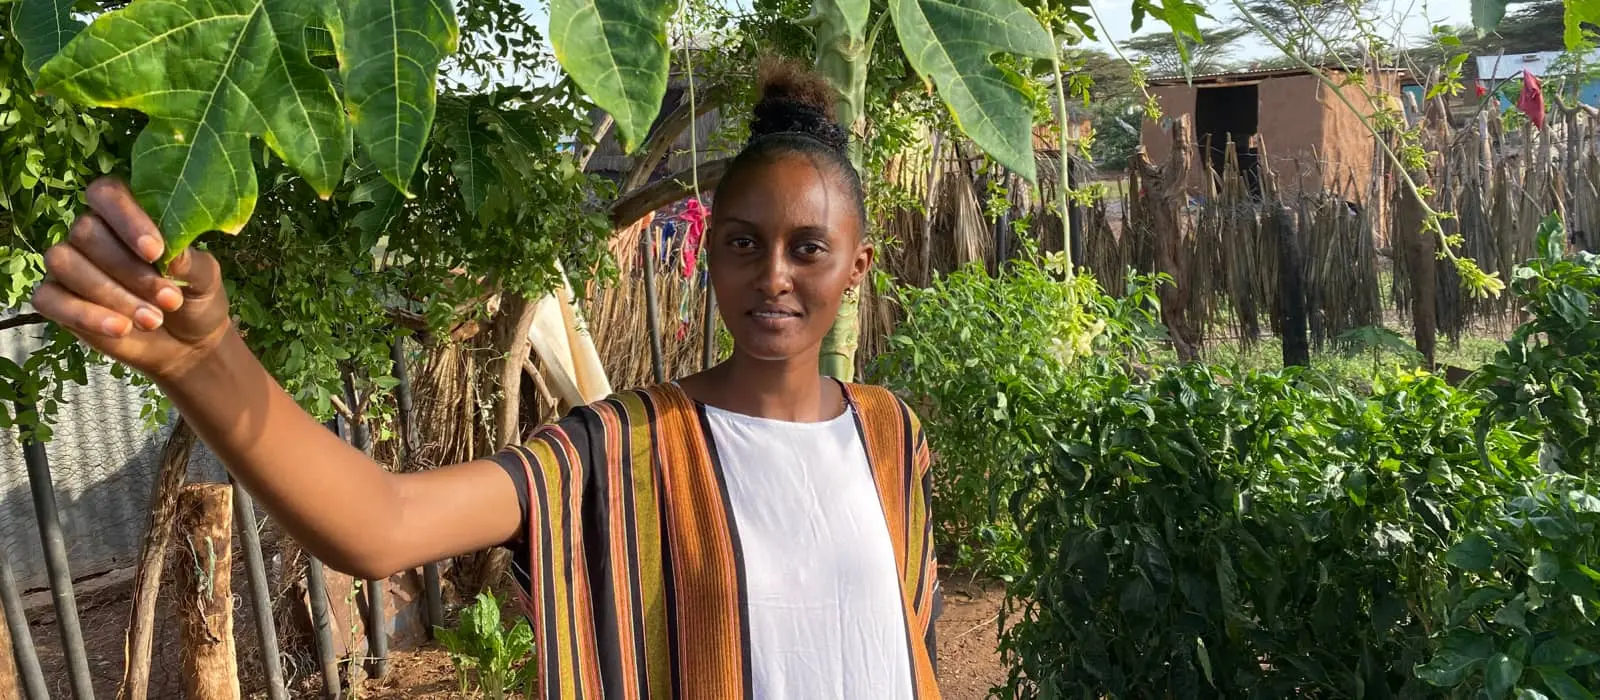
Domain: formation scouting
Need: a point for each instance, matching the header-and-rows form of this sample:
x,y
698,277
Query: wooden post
x,y
204,583
1168,190
1422,254
1291,291
10,684
152,559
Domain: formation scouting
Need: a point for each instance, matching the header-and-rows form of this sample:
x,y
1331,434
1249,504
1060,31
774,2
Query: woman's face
x,y
785,244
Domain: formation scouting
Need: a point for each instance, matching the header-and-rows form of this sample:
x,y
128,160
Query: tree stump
x,y
203,568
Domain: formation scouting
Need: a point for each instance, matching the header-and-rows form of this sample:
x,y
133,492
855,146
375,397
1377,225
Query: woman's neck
x,y
788,390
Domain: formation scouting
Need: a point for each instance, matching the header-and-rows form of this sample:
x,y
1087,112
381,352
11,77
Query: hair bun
x,y
797,101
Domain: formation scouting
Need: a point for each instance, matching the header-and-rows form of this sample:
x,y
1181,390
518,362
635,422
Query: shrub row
x,y
1188,533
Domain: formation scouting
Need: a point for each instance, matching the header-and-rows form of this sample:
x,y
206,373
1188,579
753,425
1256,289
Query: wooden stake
x,y
10,684
152,558
203,573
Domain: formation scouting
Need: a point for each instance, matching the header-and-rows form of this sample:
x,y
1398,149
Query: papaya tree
x,y
427,226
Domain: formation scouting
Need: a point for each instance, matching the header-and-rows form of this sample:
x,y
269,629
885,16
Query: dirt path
x,y
969,665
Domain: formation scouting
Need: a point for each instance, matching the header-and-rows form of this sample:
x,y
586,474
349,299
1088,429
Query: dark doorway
x,y
1230,113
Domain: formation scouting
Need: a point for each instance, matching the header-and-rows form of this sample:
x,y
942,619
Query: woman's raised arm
x,y
339,504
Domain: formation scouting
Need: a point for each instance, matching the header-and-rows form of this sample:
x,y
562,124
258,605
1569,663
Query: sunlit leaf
x,y
953,44
616,50
210,74
389,54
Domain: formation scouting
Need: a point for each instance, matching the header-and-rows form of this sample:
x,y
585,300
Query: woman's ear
x,y
865,254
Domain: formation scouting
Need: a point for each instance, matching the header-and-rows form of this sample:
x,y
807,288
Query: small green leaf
x,y
616,50
473,168
1514,613
1472,554
389,55
1551,238
953,43
1562,654
1563,686
1486,14
1500,675
1545,567
42,27
1462,654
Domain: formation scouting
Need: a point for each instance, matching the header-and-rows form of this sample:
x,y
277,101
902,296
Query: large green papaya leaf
x,y
1578,13
210,74
474,169
371,188
616,50
952,43
389,54
42,27
1486,14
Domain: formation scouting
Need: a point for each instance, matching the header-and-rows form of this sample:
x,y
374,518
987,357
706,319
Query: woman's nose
x,y
775,279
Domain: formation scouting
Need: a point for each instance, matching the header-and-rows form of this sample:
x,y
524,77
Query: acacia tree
x,y
1311,29
1206,54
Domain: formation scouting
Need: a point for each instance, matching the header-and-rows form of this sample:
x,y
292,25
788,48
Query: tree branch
x,y
660,142
635,204
23,320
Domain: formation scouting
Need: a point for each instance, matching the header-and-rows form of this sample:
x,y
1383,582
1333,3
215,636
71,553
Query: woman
x,y
752,531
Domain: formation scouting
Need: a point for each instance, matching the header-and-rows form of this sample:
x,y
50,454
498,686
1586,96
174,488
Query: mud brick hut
x,y
1310,138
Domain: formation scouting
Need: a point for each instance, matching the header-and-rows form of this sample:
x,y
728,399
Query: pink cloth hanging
x,y
1532,101
694,217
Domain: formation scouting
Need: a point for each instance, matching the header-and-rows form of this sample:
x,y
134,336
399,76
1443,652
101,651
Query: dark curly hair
x,y
795,115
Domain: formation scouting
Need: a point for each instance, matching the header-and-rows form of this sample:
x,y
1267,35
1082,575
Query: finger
x,y
58,304
96,242
199,272
114,202
75,273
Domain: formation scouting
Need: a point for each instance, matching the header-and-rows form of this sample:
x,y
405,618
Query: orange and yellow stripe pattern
x,y
635,584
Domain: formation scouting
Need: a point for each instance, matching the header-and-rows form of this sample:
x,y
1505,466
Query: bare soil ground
x,y
969,664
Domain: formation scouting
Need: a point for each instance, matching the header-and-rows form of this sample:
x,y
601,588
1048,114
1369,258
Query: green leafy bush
x,y
496,660
1523,608
1205,533
983,356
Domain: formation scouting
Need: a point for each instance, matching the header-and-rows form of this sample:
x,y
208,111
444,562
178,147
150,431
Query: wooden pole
x,y
152,559
19,639
204,583
10,684
1291,291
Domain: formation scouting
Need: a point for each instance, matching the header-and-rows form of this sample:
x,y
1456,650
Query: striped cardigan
x,y
631,564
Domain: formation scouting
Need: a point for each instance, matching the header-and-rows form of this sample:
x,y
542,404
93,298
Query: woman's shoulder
x,y
878,401
621,410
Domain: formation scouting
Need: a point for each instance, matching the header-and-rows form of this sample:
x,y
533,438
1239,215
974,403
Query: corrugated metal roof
x,y
1250,75
1507,67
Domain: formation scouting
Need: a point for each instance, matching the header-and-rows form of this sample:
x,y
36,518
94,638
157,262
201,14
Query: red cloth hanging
x,y
694,216
1479,88
1532,101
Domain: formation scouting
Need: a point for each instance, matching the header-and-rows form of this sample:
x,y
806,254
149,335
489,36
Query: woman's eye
x,y
742,242
810,249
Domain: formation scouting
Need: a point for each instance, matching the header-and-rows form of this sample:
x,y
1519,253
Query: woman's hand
x,y
101,284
